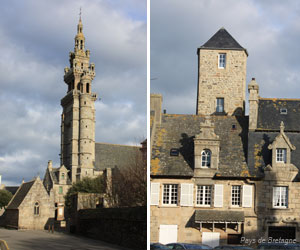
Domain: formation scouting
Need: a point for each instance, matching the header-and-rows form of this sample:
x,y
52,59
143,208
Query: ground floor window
x,y
234,239
282,232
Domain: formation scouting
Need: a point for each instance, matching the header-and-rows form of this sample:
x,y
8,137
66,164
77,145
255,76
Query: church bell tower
x,y
78,116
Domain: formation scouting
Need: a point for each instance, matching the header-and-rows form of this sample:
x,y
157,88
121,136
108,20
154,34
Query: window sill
x,y
236,207
280,208
168,206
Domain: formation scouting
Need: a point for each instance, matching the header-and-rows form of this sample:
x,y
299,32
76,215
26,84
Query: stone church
x,y
221,176
39,202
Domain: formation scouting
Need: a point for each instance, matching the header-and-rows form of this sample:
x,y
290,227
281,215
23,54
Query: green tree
x,y
5,197
86,185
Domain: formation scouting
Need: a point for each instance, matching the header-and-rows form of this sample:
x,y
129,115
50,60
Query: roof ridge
x,y
288,99
105,143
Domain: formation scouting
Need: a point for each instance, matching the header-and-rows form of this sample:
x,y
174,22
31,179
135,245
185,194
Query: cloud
x,y
36,37
270,33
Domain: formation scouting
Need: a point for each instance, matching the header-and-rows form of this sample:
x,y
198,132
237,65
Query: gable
x,y
259,156
38,193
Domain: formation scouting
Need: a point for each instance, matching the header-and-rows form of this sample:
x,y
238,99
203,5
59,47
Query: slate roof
x,y
20,195
113,155
12,189
178,131
222,216
269,116
259,156
222,40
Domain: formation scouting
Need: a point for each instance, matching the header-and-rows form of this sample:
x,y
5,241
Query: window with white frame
x,y
203,195
170,194
236,195
205,158
222,60
280,197
220,105
281,155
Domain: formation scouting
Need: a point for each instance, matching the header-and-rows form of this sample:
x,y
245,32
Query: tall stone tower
x,y
78,116
221,76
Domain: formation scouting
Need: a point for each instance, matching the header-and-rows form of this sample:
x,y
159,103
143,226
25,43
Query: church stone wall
x,y
228,83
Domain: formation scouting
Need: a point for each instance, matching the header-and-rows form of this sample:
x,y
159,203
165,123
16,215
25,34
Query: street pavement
x,y
43,240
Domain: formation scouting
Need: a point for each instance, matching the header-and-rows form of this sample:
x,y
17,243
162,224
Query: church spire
x,y
79,38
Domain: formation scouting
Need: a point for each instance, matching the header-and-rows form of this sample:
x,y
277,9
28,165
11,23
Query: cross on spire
x,y
80,13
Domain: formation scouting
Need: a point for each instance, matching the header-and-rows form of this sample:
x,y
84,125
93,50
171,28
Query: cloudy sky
x,y
36,37
269,30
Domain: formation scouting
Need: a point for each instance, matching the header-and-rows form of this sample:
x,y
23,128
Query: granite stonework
x,y
251,186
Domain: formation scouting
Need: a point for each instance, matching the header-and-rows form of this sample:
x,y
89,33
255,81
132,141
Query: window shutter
x,y
154,194
247,196
218,197
186,194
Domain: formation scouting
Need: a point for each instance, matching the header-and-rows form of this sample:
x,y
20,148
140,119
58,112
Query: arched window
x,y
87,88
36,208
205,158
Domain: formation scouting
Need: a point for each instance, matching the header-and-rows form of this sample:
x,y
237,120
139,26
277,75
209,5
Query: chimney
x,y
50,164
155,105
253,90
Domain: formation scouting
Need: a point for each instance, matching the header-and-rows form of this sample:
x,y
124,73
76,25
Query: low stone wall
x,y
123,226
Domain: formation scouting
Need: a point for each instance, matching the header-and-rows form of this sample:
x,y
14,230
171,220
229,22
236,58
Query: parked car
x,y
188,246
230,247
154,246
267,246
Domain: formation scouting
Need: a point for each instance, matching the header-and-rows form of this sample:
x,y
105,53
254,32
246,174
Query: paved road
x,y
42,240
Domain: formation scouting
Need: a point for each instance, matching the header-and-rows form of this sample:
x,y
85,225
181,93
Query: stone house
x,y
220,176
32,207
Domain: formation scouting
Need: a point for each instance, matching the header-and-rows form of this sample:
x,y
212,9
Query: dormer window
x,y
220,105
205,158
281,155
63,176
222,60
283,111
